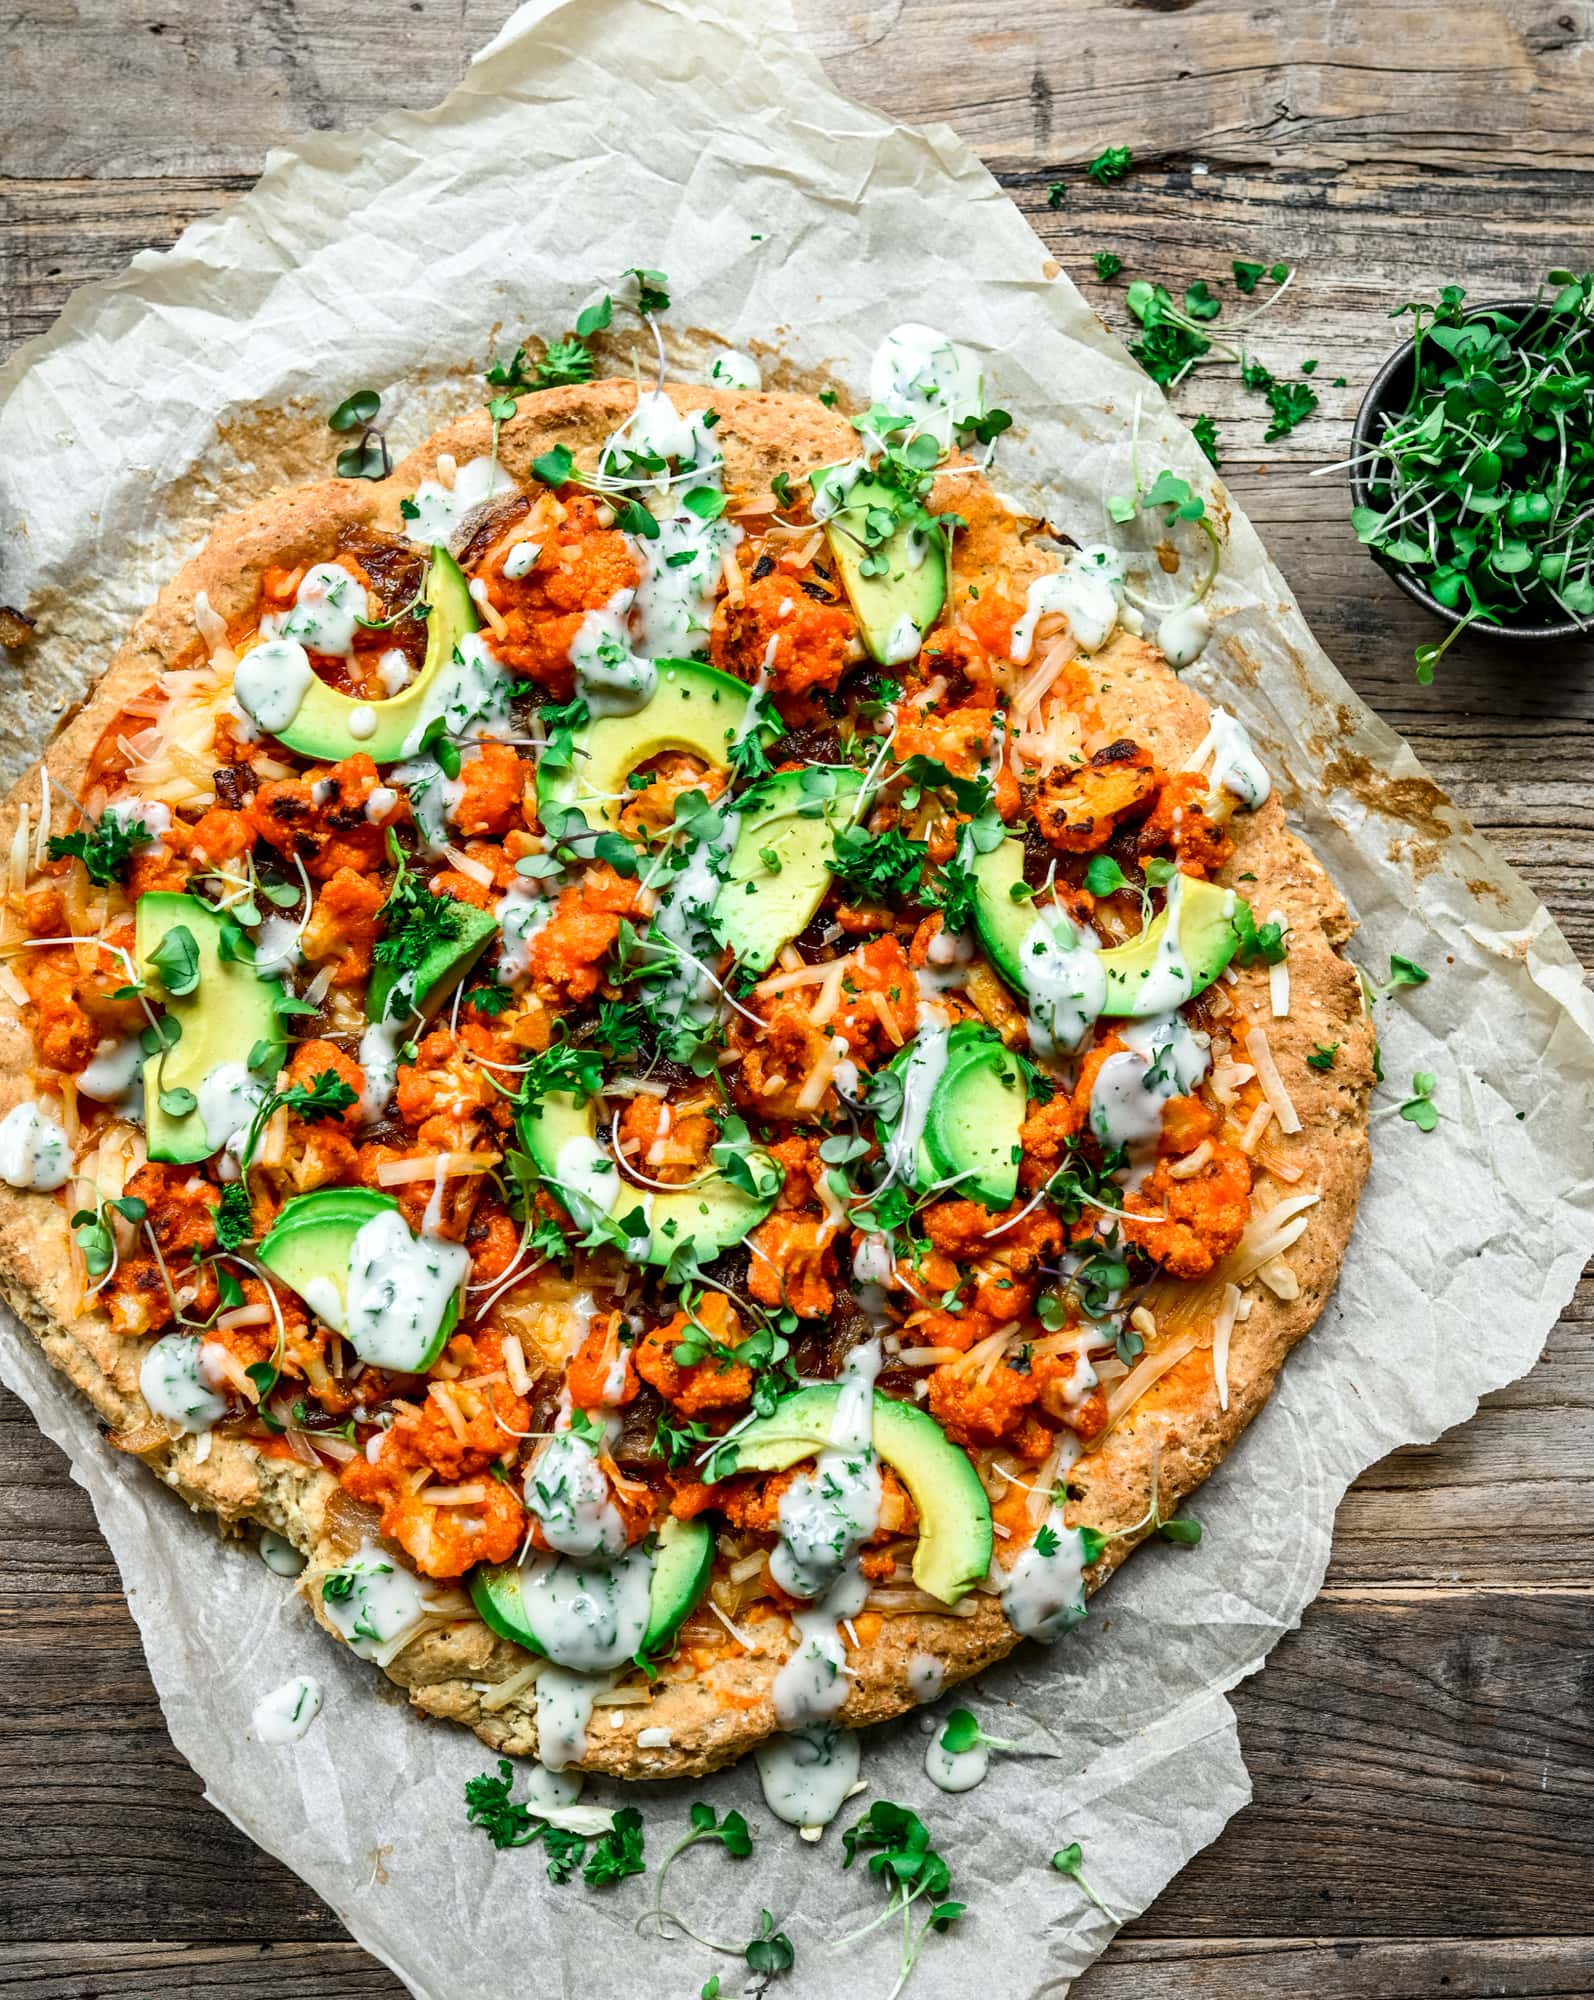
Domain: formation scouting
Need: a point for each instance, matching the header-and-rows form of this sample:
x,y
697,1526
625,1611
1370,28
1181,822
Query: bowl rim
x,y
1362,439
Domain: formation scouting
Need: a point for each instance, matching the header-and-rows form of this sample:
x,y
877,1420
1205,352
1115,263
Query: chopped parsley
x,y
105,847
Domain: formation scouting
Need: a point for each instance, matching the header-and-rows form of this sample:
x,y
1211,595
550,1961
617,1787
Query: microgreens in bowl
x,y
1474,470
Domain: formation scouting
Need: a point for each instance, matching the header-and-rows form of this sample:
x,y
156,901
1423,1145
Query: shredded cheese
x,y
806,975
435,1166
1258,1122
1267,1074
515,1365
1278,976
507,1691
1145,1374
478,871
1222,1328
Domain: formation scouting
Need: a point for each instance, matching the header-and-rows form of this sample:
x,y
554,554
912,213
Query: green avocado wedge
x,y
219,1021
693,708
1148,974
425,987
954,1551
780,866
681,1566
332,726
701,1220
975,1117
310,1248
895,581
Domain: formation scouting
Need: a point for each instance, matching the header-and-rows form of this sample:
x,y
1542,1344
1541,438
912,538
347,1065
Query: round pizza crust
x,y
1178,1428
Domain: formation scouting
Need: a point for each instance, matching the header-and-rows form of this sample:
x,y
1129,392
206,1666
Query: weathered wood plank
x,y
205,89
1326,1968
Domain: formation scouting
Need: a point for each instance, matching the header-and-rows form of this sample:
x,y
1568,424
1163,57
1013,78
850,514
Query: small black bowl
x,y
1389,389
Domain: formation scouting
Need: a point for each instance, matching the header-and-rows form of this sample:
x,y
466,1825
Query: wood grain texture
x,y
1421,1749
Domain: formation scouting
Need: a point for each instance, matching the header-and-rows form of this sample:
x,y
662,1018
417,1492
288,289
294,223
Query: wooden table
x,y
1424,1816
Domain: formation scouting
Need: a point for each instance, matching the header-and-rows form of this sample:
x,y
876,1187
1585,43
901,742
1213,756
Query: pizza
x,y
667,1041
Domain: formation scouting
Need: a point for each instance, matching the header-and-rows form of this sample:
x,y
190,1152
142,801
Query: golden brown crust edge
x,y
1178,1426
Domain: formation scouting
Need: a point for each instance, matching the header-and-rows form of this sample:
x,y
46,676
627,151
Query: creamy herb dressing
x,y
948,957
564,1708
1083,593
902,642
276,943
151,814
374,1602
521,560
470,694
807,1775
1236,768
1169,981
379,1047
362,722
921,374
521,911
550,1791
1043,1594
585,1171
174,1382
433,795
656,428
284,1715
116,1076
228,1099
680,924
1182,635
568,1492
279,1554
921,1073
439,509
1064,982
735,370
34,1150
325,607
682,567
271,680
394,671
591,1616
926,1676
813,1682
610,678
399,1287
827,1515
956,1770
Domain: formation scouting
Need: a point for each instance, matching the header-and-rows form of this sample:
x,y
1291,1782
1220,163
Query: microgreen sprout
x,y
1067,1861
1419,1109
1481,485
898,1845
963,1733
734,1836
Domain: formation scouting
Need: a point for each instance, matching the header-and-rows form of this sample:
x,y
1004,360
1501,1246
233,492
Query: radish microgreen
x,y
1067,1861
898,1845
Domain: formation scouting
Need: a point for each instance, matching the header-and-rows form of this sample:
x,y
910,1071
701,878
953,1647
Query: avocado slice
x,y
1150,974
789,820
975,1116
693,708
332,726
681,1568
219,1021
424,988
954,1551
310,1247
897,603
561,1137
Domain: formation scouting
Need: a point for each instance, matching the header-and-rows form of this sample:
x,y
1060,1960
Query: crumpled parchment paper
x,y
697,137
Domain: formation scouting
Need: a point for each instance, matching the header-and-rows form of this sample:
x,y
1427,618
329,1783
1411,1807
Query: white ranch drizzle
x,y
284,1715
568,1492
825,1518
1084,595
1165,1059
34,1150
926,1676
377,1602
564,1708
115,1076
807,1774
399,1287
681,919
735,370
1042,1595
228,1099
610,678
921,374
379,1047
394,671
172,1379
590,1616
521,911
955,1770
279,1554
271,680
1236,768
471,694
1064,981
325,607
522,559
439,509
922,1072
1182,636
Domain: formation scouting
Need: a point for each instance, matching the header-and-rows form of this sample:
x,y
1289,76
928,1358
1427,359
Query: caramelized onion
x,y
350,1522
